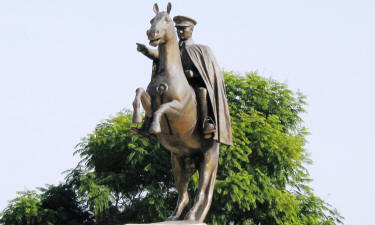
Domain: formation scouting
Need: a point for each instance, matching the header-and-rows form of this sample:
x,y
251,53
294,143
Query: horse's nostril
x,y
156,32
147,32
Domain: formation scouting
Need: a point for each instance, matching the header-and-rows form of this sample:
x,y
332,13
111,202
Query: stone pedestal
x,y
180,222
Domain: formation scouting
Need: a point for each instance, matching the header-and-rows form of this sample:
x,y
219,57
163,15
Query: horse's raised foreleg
x,y
207,177
183,168
173,107
143,97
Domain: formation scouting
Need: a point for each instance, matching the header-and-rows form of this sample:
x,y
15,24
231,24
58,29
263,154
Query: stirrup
x,y
208,121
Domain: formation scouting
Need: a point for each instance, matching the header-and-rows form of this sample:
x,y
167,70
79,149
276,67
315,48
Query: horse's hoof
x,y
155,128
191,216
140,132
137,118
172,218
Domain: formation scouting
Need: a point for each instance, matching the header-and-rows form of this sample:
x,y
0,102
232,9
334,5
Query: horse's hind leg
x,y
183,168
207,177
141,97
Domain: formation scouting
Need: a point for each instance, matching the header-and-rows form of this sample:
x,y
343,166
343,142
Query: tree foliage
x,y
261,178
134,172
55,205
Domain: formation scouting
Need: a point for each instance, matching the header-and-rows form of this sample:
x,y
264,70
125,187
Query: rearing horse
x,y
171,103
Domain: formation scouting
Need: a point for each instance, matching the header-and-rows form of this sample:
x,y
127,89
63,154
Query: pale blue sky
x,y
66,65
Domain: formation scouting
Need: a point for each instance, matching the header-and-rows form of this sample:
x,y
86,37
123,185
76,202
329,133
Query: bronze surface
x,y
177,117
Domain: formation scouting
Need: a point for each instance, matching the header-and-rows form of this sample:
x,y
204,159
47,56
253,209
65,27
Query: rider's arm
x,y
152,53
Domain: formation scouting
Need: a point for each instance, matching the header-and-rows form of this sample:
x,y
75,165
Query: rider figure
x,y
204,75
185,27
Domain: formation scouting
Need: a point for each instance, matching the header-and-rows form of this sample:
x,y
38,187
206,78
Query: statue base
x,y
178,222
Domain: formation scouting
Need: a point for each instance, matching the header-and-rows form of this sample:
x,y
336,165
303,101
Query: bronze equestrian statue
x,y
172,111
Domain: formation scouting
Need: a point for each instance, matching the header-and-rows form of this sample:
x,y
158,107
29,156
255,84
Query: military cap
x,y
183,21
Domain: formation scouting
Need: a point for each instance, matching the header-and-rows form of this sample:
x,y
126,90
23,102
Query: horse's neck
x,y
169,56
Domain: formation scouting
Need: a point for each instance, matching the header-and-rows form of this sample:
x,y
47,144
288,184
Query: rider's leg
x,y
208,125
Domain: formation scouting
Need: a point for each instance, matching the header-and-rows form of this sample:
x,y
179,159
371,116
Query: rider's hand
x,y
141,48
189,73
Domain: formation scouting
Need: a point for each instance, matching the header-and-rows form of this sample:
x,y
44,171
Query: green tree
x,y
261,178
125,178
25,209
55,205
66,205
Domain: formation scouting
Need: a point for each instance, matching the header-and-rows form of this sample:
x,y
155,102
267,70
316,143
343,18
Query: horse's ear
x,y
156,8
169,7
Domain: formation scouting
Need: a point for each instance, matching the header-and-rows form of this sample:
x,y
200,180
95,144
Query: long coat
x,y
208,68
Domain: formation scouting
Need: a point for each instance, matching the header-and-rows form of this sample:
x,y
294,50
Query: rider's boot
x,y
208,124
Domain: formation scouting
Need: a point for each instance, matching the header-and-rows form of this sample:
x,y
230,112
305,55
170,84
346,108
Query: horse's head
x,y
162,27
